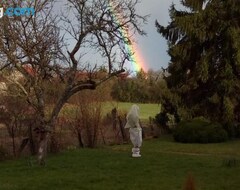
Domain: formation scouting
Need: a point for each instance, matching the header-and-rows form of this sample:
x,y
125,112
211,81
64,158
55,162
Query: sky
x,y
153,47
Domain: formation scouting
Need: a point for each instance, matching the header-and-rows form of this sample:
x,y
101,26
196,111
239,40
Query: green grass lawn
x,y
164,165
146,110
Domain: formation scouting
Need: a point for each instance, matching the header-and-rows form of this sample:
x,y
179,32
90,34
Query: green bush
x,y
233,129
199,130
161,118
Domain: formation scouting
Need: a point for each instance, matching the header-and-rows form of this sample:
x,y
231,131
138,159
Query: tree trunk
x,y
42,147
102,134
13,139
114,118
122,128
80,142
114,123
32,146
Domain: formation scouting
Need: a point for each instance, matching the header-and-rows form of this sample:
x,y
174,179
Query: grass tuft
x,y
230,162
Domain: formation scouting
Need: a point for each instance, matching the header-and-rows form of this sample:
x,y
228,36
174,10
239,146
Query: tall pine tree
x,y
204,46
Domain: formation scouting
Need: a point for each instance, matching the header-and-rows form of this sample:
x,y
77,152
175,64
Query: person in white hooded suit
x,y
135,130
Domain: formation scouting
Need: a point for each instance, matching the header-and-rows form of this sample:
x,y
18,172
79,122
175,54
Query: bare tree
x,y
45,47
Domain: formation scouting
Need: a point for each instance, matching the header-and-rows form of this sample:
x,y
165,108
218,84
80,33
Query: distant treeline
x,y
145,87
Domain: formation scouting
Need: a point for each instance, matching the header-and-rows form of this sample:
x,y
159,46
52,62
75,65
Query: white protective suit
x,y
135,130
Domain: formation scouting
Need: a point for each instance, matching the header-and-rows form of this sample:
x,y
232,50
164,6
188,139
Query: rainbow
x,y
136,58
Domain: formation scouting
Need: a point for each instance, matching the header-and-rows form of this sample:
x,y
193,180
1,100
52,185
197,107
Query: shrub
x,y
233,129
199,130
161,118
3,153
237,130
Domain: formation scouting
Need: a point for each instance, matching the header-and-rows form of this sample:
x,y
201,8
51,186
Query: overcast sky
x,y
153,47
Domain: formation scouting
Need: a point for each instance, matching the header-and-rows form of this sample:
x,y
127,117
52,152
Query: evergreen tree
x,y
204,46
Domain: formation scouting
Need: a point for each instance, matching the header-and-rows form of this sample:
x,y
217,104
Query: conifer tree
x,y
204,46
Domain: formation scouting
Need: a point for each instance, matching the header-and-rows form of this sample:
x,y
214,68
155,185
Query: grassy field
x,y
164,165
146,110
